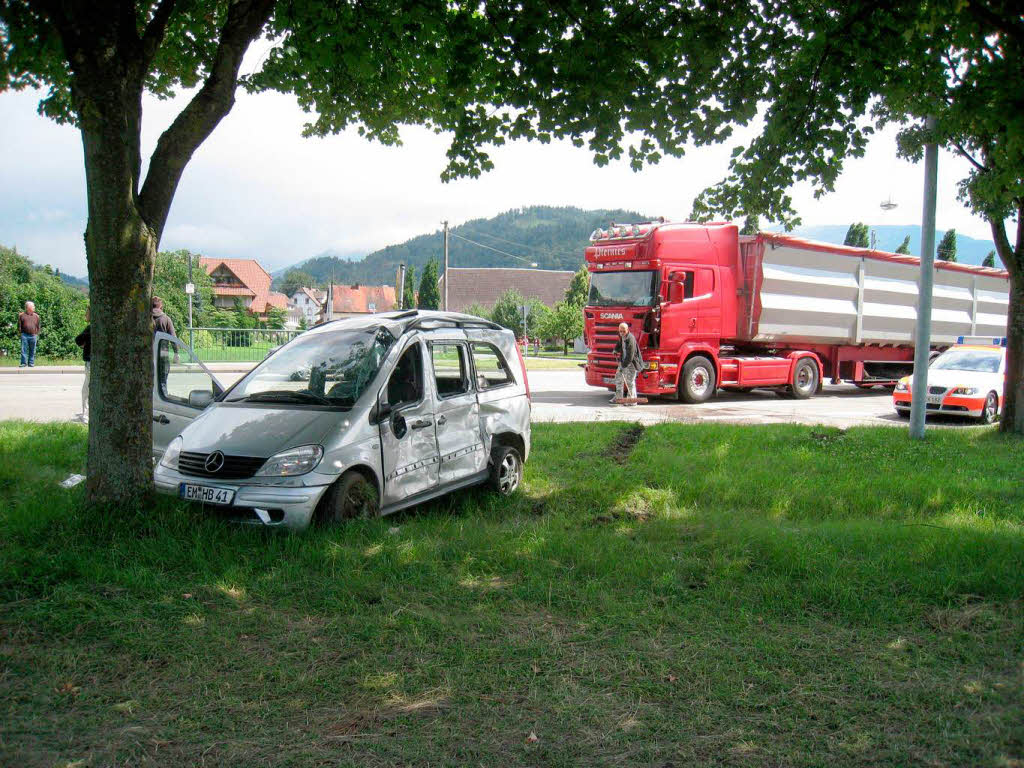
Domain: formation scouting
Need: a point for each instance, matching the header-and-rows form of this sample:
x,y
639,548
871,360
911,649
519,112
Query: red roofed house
x,y
352,300
242,279
484,285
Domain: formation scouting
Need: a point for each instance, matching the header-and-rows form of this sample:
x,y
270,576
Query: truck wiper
x,y
282,396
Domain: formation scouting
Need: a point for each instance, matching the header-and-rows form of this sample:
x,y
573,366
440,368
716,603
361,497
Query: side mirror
x,y
200,398
398,424
380,413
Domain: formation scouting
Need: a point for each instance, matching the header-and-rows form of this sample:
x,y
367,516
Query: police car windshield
x,y
979,360
623,289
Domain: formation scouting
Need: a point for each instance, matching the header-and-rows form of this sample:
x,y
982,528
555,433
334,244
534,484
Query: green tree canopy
x,y
170,274
947,246
579,288
752,225
508,311
409,289
429,297
293,280
565,323
478,310
904,246
857,236
990,259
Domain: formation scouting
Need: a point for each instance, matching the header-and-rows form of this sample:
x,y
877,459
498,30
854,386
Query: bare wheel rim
x,y
358,502
699,378
804,378
990,407
508,474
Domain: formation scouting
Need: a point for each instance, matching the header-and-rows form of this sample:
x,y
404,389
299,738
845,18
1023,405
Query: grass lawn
x,y
13,361
681,595
554,363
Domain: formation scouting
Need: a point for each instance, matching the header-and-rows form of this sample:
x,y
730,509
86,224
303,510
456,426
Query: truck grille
x,y
233,468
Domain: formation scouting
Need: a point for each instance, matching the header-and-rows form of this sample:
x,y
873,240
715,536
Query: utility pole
x,y
401,286
445,305
923,334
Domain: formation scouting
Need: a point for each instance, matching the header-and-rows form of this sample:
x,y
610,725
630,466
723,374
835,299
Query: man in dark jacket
x,y
630,364
161,322
84,340
28,327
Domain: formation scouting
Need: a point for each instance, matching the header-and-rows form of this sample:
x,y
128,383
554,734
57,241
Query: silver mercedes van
x,y
356,417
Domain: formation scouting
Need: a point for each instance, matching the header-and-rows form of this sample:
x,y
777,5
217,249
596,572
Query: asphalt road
x,y
557,396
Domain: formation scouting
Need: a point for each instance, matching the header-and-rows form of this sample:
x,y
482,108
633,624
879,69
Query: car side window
x,y
178,373
491,368
406,383
451,372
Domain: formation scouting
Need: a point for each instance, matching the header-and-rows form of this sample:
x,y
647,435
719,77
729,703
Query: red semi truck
x,y
712,309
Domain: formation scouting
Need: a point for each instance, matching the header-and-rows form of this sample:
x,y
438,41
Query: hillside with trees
x,y
553,238
61,307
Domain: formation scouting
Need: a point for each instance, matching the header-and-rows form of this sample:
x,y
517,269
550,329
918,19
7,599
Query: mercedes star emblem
x,y
214,462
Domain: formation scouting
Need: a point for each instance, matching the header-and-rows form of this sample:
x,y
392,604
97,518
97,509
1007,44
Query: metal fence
x,y
228,345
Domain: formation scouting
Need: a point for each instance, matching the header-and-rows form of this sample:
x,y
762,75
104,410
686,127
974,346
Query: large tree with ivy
x,y
827,75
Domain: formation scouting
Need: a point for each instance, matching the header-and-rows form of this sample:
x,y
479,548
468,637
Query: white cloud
x,y
257,189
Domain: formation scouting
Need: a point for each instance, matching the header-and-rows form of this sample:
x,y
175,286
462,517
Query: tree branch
x,y
155,31
967,155
208,107
1002,242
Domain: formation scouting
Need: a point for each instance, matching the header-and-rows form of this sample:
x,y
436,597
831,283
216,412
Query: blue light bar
x,y
996,342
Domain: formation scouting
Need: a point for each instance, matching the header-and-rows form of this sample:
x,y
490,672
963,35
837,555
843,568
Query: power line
x,y
545,251
491,248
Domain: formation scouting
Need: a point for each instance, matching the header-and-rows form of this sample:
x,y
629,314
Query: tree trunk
x,y
121,250
1013,394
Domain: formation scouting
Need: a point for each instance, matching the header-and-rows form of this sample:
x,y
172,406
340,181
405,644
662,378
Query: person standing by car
x,y
161,322
630,364
28,327
84,340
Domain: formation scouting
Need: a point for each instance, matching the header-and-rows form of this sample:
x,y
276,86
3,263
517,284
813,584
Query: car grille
x,y
936,390
234,468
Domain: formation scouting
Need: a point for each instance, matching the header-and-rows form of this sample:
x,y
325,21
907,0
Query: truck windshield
x,y
331,369
623,289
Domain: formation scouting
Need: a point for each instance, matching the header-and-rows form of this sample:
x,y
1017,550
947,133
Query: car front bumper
x,y
272,506
951,405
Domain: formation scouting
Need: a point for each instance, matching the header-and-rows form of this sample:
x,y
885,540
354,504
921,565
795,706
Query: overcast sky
x,y
257,189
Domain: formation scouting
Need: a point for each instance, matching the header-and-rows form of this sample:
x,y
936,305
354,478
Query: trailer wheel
x,y
805,379
697,382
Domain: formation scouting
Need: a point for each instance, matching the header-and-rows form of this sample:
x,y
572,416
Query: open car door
x,y
182,388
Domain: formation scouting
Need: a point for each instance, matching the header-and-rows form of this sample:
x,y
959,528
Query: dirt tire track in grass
x,y
622,446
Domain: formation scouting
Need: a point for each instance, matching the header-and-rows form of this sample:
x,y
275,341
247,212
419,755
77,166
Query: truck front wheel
x,y
697,383
805,379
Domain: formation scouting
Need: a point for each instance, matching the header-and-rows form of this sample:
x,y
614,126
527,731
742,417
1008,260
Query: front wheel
x,y
353,496
805,379
697,383
506,469
990,412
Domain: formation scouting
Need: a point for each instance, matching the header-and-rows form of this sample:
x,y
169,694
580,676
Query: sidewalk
x,y
215,367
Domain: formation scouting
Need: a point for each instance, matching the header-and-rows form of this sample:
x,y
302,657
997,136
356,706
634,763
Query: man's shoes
x,y
22,365
612,401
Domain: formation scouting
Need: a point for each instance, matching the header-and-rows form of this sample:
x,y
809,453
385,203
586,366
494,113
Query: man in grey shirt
x,y
630,364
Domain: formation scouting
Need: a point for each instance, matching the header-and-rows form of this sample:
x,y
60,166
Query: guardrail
x,y
229,345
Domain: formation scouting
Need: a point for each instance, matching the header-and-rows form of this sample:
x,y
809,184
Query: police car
x,y
965,380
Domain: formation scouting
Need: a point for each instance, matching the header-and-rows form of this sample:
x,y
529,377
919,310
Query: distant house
x,y
242,279
308,302
353,300
484,285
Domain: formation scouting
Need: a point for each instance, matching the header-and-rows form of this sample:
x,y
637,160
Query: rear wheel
x,y
697,383
352,497
506,469
991,410
805,379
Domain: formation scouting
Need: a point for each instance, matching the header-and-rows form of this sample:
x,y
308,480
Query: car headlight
x,y
901,386
294,461
965,391
170,457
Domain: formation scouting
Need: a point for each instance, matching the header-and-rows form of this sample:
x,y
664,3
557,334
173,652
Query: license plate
x,y
608,380
205,494
934,399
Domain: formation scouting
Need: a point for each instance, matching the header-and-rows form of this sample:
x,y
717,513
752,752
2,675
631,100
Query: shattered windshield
x,y
331,369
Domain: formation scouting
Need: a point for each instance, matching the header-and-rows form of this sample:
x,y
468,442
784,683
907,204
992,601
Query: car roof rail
x,y
456,321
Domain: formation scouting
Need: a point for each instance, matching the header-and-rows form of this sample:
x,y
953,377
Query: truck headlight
x,y
965,391
901,386
294,461
170,457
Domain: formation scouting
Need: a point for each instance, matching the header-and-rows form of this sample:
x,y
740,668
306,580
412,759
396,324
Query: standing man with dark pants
x,y
84,340
28,326
630,364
